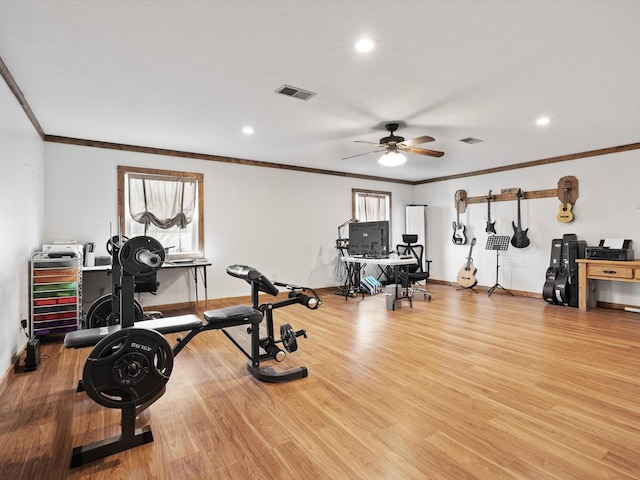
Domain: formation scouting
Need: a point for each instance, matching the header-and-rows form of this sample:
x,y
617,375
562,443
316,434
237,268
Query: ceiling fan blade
x,y
418,141
370,143
422,151
360,154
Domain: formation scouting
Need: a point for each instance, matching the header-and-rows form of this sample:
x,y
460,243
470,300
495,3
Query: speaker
x,y
32,359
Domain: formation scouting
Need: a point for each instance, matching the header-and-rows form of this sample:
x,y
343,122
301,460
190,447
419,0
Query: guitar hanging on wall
x,y
491,226
519,239
459,237
467,274
565,215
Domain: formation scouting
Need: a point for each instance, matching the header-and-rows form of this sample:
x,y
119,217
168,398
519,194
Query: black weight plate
x,y
128,368
100,314
128,255
288,337
115,242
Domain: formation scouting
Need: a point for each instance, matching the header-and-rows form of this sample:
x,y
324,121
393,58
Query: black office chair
x,y
413,274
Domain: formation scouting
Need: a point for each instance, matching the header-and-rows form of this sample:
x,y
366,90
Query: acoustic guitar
x,y
519,239
467,274
565,215
491,226
459,237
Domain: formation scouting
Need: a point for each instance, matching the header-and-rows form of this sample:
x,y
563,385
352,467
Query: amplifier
x,y
606,253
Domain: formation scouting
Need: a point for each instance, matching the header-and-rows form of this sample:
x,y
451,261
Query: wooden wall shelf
x,y
507,197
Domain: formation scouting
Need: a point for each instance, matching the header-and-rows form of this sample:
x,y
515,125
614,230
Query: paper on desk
x,y
613,242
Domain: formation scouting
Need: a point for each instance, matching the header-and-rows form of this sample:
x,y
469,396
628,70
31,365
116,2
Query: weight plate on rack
x,y
115,241
141,256
128,368
288,337
100,313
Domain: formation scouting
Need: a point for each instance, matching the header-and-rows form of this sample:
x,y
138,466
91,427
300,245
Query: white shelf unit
x,y
56,294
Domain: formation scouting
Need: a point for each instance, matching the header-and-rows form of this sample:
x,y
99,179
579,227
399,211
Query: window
x,y
370,205
165,205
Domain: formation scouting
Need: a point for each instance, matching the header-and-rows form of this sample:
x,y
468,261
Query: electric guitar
x,y
467,274
519,239
491,226
459,237
565,215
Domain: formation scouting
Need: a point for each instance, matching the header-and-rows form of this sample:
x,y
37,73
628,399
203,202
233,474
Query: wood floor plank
x,y
463,386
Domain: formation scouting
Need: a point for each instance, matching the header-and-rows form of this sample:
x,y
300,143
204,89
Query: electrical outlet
x,y
23,323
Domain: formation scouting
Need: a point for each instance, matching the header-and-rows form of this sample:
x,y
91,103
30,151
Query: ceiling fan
x,y
393,145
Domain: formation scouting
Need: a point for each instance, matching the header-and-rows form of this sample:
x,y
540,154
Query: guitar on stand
x,y
491,226
519,239
467,274
565,215
459,237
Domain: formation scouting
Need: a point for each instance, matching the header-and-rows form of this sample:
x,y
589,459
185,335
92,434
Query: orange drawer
x,y
55,279
610,271
53,271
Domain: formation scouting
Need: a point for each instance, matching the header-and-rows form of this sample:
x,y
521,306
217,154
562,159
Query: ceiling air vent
x,y
295,92
470,140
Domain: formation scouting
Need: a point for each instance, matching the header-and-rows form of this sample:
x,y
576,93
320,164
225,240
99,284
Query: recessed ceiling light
x,y
364,45
247,130
543,121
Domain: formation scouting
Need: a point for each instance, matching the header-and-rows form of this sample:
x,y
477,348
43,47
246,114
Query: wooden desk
x,y
590,270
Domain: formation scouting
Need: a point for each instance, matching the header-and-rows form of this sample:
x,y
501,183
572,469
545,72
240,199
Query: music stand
x,y
498,243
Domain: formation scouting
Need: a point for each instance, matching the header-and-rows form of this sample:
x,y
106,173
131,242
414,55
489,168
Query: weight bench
x,y
91,336
131,363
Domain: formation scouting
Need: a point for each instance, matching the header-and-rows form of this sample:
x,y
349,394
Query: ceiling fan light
x,y
392,159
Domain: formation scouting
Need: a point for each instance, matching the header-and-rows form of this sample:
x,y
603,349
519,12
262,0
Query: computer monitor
x,y
369,238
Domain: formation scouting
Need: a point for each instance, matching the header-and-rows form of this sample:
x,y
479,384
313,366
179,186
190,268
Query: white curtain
x,y
371,207
162,201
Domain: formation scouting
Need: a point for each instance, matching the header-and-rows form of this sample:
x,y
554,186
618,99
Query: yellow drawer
x,y
611,271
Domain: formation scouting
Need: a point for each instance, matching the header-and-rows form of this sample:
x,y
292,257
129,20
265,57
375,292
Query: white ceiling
x,y
188,75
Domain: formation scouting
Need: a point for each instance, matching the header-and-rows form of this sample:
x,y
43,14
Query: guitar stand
x,y
467,288
498,243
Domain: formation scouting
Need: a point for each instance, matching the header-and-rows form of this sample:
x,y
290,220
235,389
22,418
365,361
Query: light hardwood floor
x,y
464,386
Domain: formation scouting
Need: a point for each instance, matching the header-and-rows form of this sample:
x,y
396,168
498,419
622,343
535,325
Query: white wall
x,y
281,222
22,207
608,207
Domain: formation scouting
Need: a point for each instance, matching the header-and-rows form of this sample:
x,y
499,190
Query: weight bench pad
x,y
231,317
90,336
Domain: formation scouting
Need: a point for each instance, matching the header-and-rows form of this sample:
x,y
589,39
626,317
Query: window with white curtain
x,y
165,205
371,205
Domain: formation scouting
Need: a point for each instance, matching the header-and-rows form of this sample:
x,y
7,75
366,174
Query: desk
x,y
358,262
168,265
590,270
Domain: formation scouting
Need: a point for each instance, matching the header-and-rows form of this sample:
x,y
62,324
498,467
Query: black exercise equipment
x,y
225,318
131,363
138,259
101,312
89,337
128,368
